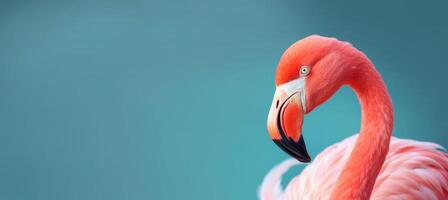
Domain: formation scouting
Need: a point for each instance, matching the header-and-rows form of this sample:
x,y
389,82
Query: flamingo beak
x,y
285,120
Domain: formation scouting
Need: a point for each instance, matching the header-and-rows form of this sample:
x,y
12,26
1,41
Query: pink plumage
x,y
369,165
412,170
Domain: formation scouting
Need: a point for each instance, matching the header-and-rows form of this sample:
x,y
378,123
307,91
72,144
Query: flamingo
x,y
368,165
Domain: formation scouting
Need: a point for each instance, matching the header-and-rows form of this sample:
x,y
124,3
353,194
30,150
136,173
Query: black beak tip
x,y
295,149
304,159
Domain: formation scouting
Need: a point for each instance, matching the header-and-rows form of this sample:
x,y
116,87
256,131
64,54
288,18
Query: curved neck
x,y
358,176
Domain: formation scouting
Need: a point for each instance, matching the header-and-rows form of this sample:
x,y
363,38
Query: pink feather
x,y
412,170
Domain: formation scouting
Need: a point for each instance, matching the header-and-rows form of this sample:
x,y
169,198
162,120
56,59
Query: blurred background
x,y
144,99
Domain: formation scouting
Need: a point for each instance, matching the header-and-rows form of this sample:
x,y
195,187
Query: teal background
x,y
169,99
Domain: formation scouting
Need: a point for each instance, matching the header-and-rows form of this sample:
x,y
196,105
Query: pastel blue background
x,y
168,99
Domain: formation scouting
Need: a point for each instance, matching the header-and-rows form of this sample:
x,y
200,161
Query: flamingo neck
x,y
358,176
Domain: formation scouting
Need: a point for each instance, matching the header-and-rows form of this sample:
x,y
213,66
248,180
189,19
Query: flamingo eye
x,y
304,70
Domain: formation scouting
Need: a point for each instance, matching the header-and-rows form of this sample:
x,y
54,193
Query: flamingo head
x,y
308,74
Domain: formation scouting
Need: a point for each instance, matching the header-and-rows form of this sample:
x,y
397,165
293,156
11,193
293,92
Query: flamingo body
x,y
370,165
412,170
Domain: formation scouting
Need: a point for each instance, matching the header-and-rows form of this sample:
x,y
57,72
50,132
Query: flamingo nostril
x,y
276,104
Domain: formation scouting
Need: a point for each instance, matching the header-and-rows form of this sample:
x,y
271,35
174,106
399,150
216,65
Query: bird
x,y
372,164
